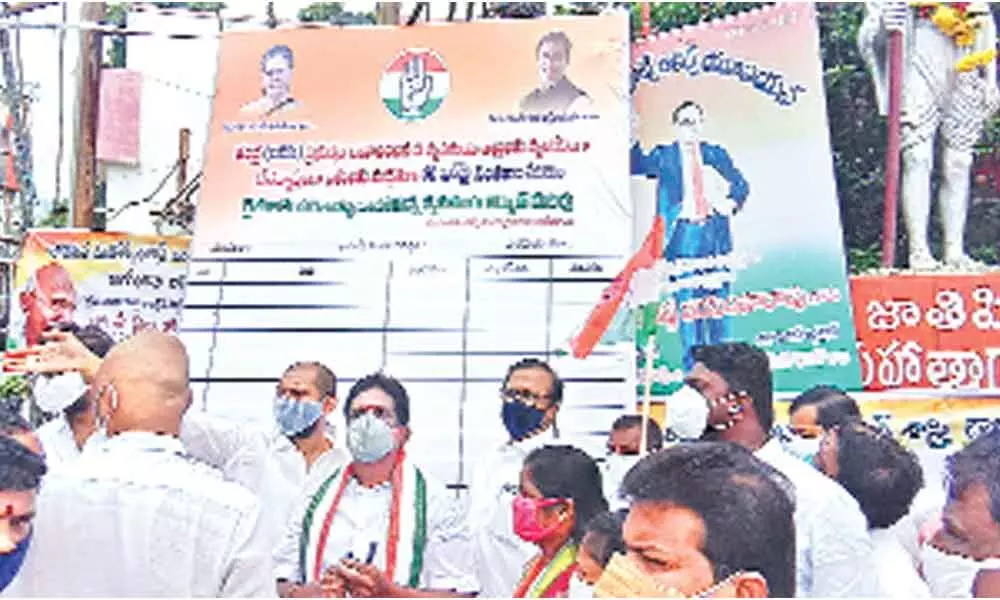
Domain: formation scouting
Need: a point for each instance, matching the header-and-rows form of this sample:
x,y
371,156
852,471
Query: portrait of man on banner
x,y
699,189
276,71
555,92
48,301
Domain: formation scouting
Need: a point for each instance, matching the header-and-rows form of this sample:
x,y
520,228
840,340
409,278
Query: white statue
x,y
949,92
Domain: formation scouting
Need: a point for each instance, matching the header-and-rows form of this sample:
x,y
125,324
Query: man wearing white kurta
x,y
64,393
135,515
274,463
58,440
834,552
884,477
271,462
531,394
379,527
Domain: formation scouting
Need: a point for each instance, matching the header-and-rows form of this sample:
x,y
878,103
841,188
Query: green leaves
x,y
665,16
14,386
333,12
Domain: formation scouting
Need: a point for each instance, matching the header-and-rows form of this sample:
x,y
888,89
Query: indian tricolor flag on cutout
x,y
415,84
642,265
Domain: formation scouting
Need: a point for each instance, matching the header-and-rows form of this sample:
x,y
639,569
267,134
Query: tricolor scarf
x,y
548,580
407,535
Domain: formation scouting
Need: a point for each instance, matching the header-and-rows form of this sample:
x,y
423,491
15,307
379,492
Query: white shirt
x,y
500,554
135,516
262,460
928,503
833,548
691,160
613,471
363,517
58,442
897,577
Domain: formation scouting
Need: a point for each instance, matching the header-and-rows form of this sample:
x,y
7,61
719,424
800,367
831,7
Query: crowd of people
x,y
328,502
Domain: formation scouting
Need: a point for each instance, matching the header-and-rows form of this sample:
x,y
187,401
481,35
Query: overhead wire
x,y
149,197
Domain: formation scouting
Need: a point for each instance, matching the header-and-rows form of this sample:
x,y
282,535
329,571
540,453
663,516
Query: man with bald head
x,y
160,523
48,301
273,462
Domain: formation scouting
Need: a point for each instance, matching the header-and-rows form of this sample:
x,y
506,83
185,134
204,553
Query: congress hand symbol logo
x,y
414,84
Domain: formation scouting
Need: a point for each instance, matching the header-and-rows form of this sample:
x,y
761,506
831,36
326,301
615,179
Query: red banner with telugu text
x,y
928,331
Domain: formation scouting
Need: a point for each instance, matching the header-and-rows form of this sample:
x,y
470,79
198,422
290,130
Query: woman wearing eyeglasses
x,y
560,493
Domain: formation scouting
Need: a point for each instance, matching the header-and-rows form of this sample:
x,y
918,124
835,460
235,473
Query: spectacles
x,y
524,397
622,452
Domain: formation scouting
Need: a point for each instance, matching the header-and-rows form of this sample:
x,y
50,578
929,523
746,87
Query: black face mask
x,y
11,563
520,419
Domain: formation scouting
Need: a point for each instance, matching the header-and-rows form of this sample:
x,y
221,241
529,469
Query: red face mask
x,y
526,524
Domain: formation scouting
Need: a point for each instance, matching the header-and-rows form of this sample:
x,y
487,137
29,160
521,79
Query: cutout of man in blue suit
x,y
697,221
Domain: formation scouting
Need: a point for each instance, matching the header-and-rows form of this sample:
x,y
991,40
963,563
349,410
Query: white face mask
x,y
369,438
949,575
803,448
616,466
579,589
53,394
687,413
96,439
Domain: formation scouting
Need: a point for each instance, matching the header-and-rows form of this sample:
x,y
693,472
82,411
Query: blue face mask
x,y
520,419
296,416
11,563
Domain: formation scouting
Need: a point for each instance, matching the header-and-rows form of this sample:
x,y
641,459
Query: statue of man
x,y
949,91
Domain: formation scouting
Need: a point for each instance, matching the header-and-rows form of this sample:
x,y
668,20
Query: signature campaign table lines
x,y
448,328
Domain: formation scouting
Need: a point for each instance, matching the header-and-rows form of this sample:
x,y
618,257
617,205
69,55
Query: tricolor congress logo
x,y
415,84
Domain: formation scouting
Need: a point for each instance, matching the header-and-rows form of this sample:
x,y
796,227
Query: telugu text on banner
x,y
120,282
928,331
440,203
731,148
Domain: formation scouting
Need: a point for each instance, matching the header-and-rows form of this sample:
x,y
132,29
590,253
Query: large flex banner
x,y
120,282
928,331
731,147
435,201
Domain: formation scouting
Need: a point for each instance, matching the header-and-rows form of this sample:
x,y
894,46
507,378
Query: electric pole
x,y
20,135
88,96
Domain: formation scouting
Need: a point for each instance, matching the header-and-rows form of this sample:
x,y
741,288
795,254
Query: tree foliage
x,y
670,15
333,12
515,10
857,133
195,6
